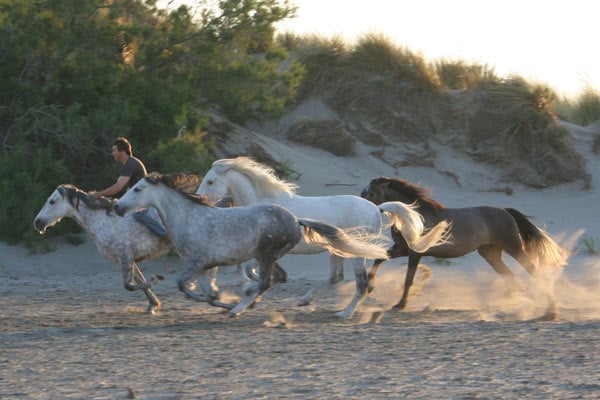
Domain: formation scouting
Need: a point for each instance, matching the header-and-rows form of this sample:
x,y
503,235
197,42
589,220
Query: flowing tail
x,y
541,249
345,243
410,223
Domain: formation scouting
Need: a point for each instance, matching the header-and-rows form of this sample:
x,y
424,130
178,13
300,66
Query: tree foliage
x,y
76,74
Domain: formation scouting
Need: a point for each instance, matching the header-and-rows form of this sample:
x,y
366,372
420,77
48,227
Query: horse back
x,y
472,227
343,211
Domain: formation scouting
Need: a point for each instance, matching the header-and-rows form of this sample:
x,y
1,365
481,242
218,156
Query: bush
x,y
188,153
25,183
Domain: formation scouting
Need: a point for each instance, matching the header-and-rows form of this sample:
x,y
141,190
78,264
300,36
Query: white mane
x,y
263,178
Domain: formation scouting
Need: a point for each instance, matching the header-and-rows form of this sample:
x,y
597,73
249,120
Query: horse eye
x,y
136,189
210,182
52,202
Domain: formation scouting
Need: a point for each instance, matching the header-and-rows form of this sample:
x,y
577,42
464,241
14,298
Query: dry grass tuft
x,y
329,135
458,74
516,127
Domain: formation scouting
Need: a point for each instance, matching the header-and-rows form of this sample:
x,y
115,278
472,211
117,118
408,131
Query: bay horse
x,y
249,182
205,236
488,230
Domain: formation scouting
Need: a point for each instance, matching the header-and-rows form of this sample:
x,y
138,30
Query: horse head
x,y
58,205
246,180
138,196
375,191
384,189
214,185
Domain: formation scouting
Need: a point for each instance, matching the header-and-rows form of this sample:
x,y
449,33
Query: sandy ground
x,y
69,330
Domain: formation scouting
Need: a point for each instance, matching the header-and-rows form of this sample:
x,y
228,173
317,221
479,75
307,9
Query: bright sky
x,y
551,41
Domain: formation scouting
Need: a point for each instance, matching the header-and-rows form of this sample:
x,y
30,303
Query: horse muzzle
x,y
40,226
120,210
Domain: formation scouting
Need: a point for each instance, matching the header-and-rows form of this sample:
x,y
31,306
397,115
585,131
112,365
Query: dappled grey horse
x,y
123,241
206,236
489,230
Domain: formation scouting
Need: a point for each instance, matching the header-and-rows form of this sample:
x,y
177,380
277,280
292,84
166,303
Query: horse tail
x,y
541,249
347,243
410,224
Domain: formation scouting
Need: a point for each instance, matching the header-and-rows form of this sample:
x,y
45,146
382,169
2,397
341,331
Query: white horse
x,y
206,236
123,241
249,182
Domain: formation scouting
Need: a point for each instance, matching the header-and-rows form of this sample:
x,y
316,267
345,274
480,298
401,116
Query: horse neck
x,y
175,210
241,189
425,209
87,218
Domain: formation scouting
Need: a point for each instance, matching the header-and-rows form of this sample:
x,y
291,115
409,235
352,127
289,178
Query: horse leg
x,y
186,281
265,267
547,288
141,282
248,271
336,274
371,275
413,262
493,255
360,275
397,250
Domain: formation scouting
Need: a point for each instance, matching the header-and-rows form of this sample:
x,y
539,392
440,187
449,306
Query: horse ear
x,y
220,168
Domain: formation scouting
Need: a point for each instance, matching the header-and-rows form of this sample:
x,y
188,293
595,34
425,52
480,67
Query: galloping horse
x,y
123,241
489,230
249,182
206,236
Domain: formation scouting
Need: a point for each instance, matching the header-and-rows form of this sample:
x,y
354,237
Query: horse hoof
x,y
344,314
152,310
303,303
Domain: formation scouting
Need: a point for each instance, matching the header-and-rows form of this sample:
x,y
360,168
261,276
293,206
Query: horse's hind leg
x,y
270,252
493,255
546,287
336,274
397,250
253,294
360,275
189,276
413,263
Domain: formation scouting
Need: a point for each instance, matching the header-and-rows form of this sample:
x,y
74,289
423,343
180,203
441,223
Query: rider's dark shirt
x,y
133,168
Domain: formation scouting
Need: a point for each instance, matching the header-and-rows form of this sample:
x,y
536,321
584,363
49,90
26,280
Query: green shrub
x,y
25,183
188,153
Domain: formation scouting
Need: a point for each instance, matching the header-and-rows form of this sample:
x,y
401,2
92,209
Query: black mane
x,y
76,195
182,183
411,191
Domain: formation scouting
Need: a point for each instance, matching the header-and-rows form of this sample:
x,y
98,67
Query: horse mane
x,y
184,184
413,192
262,177
76,195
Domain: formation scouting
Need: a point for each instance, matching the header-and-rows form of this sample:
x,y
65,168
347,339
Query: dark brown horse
x,y
489,230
